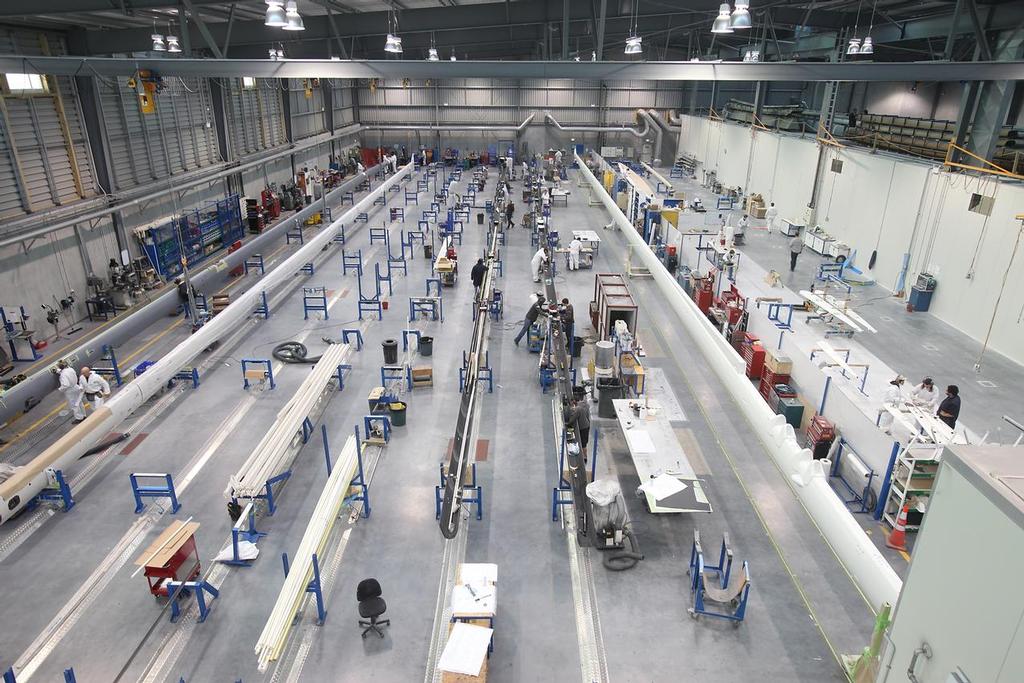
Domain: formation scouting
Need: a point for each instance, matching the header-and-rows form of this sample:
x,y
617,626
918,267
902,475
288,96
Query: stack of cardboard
x,y
756,207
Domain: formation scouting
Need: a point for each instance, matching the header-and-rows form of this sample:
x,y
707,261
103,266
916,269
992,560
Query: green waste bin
x,y
397,409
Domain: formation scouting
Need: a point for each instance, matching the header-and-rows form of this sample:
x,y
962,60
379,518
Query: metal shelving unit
x,y
912,479
198,233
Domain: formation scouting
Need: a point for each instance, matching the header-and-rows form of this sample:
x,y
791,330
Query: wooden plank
x,y
162,549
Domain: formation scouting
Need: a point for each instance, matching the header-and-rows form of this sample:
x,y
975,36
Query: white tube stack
x,y
871,572
276,450
275,634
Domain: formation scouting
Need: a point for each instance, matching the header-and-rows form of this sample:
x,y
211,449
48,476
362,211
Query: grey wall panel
x,y
255,115
307,110
176,138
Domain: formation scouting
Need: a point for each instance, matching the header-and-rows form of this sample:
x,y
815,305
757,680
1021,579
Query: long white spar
x,y
869,569
29,479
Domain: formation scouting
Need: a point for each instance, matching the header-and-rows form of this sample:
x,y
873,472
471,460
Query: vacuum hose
x,y
293,352
624,559
100,447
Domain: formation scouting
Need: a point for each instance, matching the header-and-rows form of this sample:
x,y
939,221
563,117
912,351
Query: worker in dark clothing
x,y
568,316
477,275
578,415
183,296
531,317
510,210
949,409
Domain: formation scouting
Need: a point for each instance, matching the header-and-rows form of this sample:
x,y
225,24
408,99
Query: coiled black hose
x,y
293,352
624,559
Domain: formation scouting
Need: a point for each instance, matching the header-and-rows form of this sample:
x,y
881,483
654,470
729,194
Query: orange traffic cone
x,y
898,538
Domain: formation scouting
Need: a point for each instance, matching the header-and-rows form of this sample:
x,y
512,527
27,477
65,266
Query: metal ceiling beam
x,y
205,32
477,18
612,71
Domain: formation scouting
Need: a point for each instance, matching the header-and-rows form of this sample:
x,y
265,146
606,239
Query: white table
x,y
560,197
655,451
791,228
589,238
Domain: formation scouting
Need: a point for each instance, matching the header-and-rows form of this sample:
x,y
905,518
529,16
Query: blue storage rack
x,y
201,232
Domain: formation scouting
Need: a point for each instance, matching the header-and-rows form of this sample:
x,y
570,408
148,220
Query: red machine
x,y
704,292
753,354
271,202
172,556
733,303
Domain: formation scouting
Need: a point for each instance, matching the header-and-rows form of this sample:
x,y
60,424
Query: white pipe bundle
x,y
872,573
276,450
275,634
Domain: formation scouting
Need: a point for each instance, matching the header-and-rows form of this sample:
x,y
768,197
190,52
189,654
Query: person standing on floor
x,y
579,417
526,170
531,316
72,392
510,210
360,168
925,395
893,397
94,386
537,262
949,409
477,275
771,215
575,247
796,245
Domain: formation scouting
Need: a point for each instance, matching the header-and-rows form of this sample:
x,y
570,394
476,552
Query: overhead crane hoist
x,y
465,425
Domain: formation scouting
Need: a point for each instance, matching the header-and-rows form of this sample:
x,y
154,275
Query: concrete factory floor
x,y
67,579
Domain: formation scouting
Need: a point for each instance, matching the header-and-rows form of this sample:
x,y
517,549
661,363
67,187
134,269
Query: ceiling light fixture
x,y
633,43
335,58
172,44
752,56
740,17
854,47
454,60
432,55
723,22
293,19
868,47
275,17
393,43
158,43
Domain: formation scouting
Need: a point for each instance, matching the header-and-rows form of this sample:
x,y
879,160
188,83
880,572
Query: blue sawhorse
x,y
109,356
472,492
60,493
379,234
430,306
314,299
363,217
484,373
140,491
254,262
411,198
405,337
263,308
497,305
397,214
176,589
262,371
380,201
370,304
240,532
307,268
434,282
359,482
383,278
402,373
352,262
339,237
185,375
294,234
372,437
350,332
348,198
315,587
394,187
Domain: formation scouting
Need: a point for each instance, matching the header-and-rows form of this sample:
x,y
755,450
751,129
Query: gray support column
x,y
286,106
186,39
328,97
99,144
565,30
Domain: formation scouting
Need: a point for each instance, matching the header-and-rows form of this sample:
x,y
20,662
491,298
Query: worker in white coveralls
x,y
95,387
537,262
574,253
771,215
925,395
893,397
72,392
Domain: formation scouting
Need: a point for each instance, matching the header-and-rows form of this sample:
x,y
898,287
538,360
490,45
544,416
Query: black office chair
x,y
371,606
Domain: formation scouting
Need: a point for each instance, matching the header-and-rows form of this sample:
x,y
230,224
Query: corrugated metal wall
x,y
307,105
178,137
46,156
508,101
255,115
344,109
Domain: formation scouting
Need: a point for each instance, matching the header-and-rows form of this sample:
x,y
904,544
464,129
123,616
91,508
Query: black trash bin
x,y
390,351
609,390
428,251
426,346
480,218
397,410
